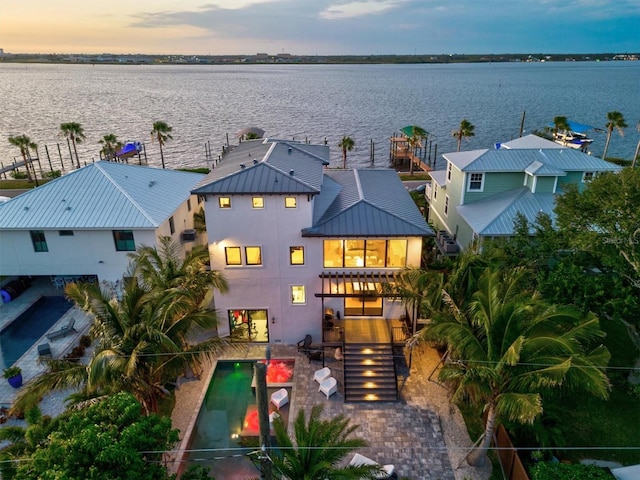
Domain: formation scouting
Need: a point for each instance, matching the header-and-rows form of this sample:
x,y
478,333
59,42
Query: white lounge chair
x,y
387,470
280,398
329,386
63,331
322,374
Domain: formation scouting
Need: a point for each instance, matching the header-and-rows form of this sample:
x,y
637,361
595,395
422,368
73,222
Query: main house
x,y
83,225
479,193
295,240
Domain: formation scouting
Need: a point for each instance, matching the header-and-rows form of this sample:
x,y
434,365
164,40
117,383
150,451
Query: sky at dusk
x,y
319,27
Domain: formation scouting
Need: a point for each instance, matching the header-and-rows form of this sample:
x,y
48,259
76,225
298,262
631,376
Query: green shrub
x,y
52,174
568,471
18,175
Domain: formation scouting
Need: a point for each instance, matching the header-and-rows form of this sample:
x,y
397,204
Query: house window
x,y
333,253
588,176
188,204
397,252
39,241
65,233
354,253
435,191
290,202
172,226
449,171
296,255
476,182
253,255
224,202
374,253
257,202
298,294
446,205
124,241
232,255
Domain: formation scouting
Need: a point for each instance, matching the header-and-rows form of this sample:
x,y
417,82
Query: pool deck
x,y
423,435
28,362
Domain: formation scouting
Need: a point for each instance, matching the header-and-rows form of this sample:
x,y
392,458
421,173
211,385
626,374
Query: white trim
x,y
534,185
469,176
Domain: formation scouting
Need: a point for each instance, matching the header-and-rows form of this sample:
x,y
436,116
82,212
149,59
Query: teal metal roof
x,y
366,203
102,195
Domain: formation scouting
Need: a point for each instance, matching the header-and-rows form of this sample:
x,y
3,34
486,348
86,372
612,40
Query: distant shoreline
x,y
286,58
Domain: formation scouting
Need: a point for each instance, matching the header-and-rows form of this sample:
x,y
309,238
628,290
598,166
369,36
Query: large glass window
x,y
232,255
363,306
397,252
296,255
39,241
249,325
333,253
124,241
375,253
353,253
298,295
253,255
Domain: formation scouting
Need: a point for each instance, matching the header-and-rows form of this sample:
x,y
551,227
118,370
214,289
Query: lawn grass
x,y
12,184
419,175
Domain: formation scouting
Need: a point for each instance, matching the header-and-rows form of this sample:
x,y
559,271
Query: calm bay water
x,y
205,104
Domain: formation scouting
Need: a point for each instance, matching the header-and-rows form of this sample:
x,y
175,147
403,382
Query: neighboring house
x,y
85,223
479,193
294,239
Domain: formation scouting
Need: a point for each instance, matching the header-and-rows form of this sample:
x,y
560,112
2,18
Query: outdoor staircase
x,y
369,373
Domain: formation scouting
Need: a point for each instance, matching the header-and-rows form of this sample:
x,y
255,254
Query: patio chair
x,y
63,331
44,350
387,471
313,352
280,398
329,386
322,374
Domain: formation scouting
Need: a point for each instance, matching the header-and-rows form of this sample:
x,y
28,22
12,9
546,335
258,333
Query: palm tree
x,y
560,124
320,445
73,131
162,133
147,338
110,146
346,144
507,346
615,120
464,131
25,144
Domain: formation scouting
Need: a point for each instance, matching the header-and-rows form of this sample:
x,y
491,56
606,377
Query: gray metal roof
x,y
366,203
495,216
530,141
102,195
269,166
517,160
542,169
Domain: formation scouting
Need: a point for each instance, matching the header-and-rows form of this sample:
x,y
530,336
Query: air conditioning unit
x,y
189,235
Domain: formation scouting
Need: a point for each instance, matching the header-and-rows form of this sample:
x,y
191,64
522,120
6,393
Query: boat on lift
x,y
129,150
576,137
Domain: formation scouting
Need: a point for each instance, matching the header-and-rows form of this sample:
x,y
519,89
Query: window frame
x,y
65,233
291,254
122,245
446,205
246,256
229,249
435,190
260,202
172,225
39,241
471,181
287,202
449,170
303,289
224,203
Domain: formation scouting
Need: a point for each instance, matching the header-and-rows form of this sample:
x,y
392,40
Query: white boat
x,y
576,137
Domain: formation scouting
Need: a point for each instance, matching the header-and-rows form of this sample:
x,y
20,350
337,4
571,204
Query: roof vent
x,y
68,208
242,165
152,183
26,208
255,161
290,149
291,172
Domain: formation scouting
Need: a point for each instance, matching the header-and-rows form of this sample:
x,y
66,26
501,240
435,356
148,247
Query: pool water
x,y
20,335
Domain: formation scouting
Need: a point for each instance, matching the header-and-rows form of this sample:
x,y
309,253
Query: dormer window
x,y
476,182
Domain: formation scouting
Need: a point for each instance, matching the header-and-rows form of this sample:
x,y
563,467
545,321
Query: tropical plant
x,y
110,146
110,439
317,448
560,124
200,221
346,144
615,120
413,142
145,339
73,131
506,347
11,372
25,145
162,133
465,130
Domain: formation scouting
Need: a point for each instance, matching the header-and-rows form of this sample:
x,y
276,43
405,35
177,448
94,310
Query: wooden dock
x,y
401,154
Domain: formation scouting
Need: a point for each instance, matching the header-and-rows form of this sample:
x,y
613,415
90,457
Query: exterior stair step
x,y
369,373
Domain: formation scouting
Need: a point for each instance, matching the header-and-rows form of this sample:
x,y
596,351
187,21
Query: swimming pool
x,y
221,436
17,337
